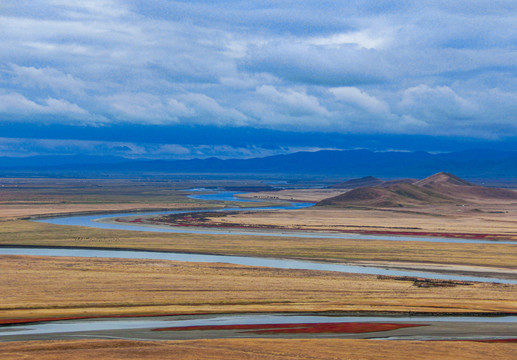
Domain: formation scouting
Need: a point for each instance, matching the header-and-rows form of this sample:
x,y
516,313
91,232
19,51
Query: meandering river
x,y
96,221
480,327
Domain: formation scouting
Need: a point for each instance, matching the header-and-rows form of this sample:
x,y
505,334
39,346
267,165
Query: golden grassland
x,y
43,287
344,250
31,197
498,219
23,232
306,195
36,287
257,349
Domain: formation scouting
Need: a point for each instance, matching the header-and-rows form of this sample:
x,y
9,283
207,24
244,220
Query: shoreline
x,y
273,325
438,268
280,230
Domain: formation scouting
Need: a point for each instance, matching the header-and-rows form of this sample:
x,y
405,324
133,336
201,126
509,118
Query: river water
x,y
71,326
92,325
96,222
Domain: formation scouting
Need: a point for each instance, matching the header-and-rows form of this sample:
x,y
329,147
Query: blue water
x,y
71,326
91,221
244,260
223,196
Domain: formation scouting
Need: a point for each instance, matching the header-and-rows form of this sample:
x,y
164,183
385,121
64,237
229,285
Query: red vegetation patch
x,y
195,222
318,328
498,341
432,234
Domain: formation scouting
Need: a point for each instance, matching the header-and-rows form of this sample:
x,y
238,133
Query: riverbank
x,y
29,290
257,349
272,325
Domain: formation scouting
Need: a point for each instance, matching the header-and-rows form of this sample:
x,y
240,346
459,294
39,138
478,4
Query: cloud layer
x,y
364,67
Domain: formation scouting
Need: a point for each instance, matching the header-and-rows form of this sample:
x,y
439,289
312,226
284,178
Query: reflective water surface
x,y
69,326
93,221
242,260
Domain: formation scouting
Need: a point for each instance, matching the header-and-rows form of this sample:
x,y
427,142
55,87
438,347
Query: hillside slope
x,y
440,188
356,183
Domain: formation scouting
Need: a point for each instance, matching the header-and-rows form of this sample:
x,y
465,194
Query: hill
x,y
356,183
440,188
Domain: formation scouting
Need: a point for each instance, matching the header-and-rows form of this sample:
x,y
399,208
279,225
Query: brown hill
x,y
440,188
357,183
395,182
442,178
451,185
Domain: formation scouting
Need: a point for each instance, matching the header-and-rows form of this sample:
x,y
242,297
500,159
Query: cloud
x,y
292,101
14,103
46,78
358,98
353,67
436,105
300,62
153,108
364,39
206,107
29,147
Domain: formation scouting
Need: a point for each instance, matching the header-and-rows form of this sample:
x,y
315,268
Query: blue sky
x,y
180,79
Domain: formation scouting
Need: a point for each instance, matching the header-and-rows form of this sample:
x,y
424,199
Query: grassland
x,y
22,232
497,220
36,287
21,198
257,349
441,204
42,287
31,197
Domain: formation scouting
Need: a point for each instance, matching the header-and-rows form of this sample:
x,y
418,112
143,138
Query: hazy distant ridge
x,y
349,163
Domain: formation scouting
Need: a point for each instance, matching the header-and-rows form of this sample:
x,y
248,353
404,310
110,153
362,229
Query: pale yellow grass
x,y
308,195
496,219
33,287
344,250
17,211
256,349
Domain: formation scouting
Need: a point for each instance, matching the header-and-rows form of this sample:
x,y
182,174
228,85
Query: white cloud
x,y
365,39
27,147
46,78
14,103
436,104
292,101
356,97
352,66
208,108
153,108
85,8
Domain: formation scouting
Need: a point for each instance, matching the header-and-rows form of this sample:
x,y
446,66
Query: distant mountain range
x,y
348,163
440,188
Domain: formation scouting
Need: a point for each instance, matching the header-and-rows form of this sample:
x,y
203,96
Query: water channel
x,y
91,326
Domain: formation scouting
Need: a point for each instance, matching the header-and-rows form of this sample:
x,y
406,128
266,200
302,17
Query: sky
x,y
183,79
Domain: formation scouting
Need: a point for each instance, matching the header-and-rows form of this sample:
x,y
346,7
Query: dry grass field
x,y
306,195
256,349
498,220
42,234
441,204
42,287
29,197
